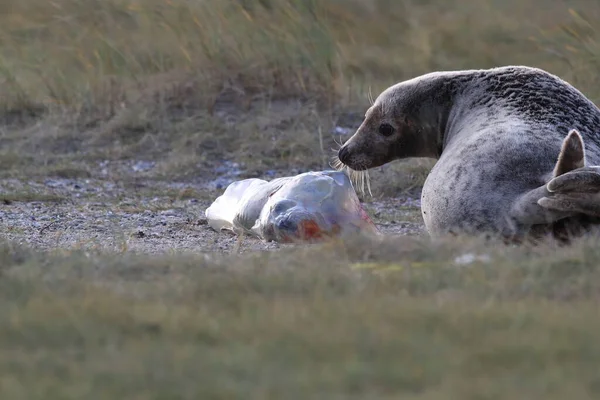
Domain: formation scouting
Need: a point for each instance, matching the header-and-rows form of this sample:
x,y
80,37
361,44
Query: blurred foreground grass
x,y
401,318
191,83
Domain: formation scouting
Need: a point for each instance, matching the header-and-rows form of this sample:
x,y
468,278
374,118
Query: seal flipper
x,y
583,180
571,156
574,187
534,207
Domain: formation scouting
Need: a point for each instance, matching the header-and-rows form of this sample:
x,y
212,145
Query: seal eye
x,y
386,129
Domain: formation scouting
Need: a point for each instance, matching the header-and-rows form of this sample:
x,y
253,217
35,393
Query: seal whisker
x,y
337,164
360,179
368,180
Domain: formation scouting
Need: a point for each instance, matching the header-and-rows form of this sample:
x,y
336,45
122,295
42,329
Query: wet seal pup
x,y
513,144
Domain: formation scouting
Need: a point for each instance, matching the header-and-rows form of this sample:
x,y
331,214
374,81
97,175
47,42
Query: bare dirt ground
x,y
143,216
152,198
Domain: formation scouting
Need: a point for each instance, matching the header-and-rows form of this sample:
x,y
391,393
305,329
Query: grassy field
x,y
188,83
404,318
149,97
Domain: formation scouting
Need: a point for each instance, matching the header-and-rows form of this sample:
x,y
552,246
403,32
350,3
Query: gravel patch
x,y
148,217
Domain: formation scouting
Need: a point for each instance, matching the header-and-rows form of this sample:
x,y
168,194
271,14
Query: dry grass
x,y
28,196
98,54
401,318
190,83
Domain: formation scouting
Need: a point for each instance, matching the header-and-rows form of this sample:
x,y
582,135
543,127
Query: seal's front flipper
x,y
574,187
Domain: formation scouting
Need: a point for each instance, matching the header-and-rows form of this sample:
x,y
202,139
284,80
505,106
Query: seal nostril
x,y
343,154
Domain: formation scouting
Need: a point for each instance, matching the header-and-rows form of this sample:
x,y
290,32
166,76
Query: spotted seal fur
x,y
515,147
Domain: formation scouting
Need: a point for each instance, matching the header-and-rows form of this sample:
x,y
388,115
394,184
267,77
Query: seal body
x,y
308,207
497,136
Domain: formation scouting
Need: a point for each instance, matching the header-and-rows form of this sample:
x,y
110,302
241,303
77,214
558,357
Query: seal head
x,y
406,120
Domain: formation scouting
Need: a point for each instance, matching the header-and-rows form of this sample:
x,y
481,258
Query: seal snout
x,y
344,155
348,157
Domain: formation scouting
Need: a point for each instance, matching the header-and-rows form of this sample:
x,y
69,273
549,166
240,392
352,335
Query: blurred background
x,y
204,90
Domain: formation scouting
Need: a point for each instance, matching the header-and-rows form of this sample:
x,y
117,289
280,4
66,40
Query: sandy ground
x,y
148,216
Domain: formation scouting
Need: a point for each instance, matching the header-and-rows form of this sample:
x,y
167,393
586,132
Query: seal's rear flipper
x,y
583,180
539,206
572,154
574,187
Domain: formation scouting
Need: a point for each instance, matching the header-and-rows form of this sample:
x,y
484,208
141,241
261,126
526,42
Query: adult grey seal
x,y
513,144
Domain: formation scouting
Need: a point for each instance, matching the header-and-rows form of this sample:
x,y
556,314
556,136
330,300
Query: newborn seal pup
x,y
509,143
